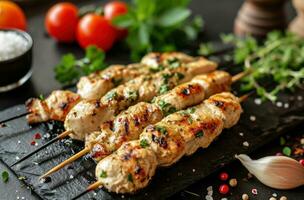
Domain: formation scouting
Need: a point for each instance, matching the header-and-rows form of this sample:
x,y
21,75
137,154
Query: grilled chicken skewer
x,y
129,124
132,166
87,115
97,84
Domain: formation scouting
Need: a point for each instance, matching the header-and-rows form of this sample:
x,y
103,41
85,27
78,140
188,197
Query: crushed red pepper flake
x,y
33,142
299,151
37,136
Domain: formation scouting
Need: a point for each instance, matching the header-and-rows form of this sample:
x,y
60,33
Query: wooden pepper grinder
x,y
297,25
258,17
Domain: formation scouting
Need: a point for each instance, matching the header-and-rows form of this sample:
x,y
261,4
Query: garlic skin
x,y
279,172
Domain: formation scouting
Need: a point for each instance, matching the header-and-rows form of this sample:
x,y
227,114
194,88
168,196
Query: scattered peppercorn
x,y
283,198
224,189
254,191
272,198
2,125
233,182
245,197
37,136
224,176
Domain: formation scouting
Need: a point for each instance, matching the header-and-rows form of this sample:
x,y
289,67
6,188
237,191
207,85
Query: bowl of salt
x,y
15,58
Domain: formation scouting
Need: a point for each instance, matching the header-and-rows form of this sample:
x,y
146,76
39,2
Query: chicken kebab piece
x,y
132,166
88,115
94,86
130,123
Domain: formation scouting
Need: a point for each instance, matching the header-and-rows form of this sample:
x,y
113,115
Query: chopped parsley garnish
x,y
144,143
161,129
117,81
130,178
5,176
156,68
180,76
111,95
153,100
132,95
167,108
163,89
103,174
41,97
166,77
199,134
190,120
174,63
191,110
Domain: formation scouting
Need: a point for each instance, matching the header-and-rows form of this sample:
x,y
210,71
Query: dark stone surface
x,y
219,17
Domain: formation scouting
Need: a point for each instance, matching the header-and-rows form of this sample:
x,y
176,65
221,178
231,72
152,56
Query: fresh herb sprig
x,y
69,70
279,60
158,25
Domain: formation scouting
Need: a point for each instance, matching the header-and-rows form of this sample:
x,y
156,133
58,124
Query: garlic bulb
x,y
279,172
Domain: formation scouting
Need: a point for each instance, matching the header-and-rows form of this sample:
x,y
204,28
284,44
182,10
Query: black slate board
x,y
271,121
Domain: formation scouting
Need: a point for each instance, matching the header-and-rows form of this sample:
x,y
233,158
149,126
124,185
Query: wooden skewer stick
x,y
61,136
64,163
245,96
91,187
239,76
235,78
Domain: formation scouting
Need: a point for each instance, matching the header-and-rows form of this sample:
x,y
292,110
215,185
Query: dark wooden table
x,y
218,16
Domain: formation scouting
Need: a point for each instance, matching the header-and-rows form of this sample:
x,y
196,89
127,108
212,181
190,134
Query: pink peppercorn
x,y
224,176
224,189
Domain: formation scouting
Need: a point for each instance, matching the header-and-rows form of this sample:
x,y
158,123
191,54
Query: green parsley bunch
x,y
278,61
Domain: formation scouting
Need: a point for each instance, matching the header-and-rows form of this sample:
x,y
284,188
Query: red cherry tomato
x,y
11,16
224,189
95,30
114,9
61,22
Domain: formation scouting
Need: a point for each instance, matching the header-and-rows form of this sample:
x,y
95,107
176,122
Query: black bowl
x,y
15,71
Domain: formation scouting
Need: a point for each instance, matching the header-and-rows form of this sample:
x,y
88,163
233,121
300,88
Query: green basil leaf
x,y
143,35
124,21
173,17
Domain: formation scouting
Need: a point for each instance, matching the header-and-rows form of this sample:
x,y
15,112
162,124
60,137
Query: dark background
x,y
218,15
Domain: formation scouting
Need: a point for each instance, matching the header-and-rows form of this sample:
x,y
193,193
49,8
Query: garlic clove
x,y
279,172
